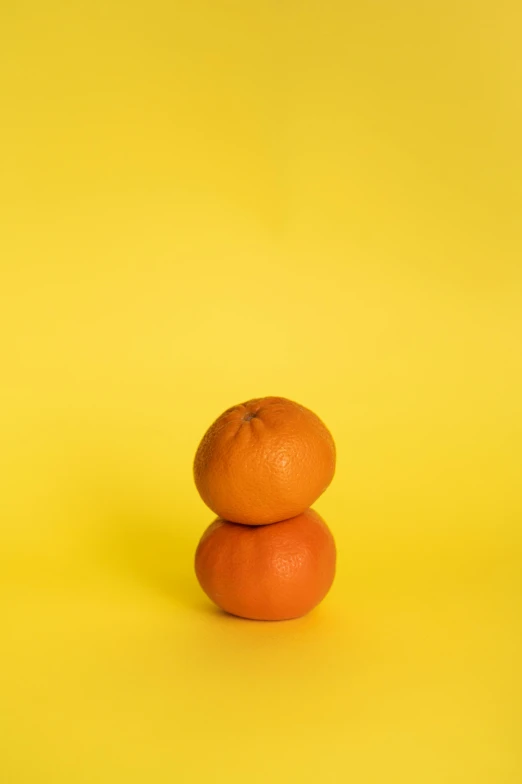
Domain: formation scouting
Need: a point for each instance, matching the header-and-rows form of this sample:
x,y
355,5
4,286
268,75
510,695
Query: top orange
x,y
264,461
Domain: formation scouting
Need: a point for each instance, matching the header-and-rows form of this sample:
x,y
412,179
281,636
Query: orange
x,y
263,461
269,572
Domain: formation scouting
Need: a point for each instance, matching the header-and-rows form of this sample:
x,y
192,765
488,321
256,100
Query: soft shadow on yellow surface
x,y
203,202
157,554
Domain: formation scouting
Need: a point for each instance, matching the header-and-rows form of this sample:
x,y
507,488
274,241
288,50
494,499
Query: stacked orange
x,y
259,467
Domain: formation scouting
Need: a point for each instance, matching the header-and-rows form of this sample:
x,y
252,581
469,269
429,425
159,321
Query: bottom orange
x,y
270,572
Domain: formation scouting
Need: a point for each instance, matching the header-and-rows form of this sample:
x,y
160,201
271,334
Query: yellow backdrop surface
x,y
202,202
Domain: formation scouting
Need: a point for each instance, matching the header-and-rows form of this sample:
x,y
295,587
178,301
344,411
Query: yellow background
x,y
202,202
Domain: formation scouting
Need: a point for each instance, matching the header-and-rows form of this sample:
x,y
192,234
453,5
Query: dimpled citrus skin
x,y
267,573
264,460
